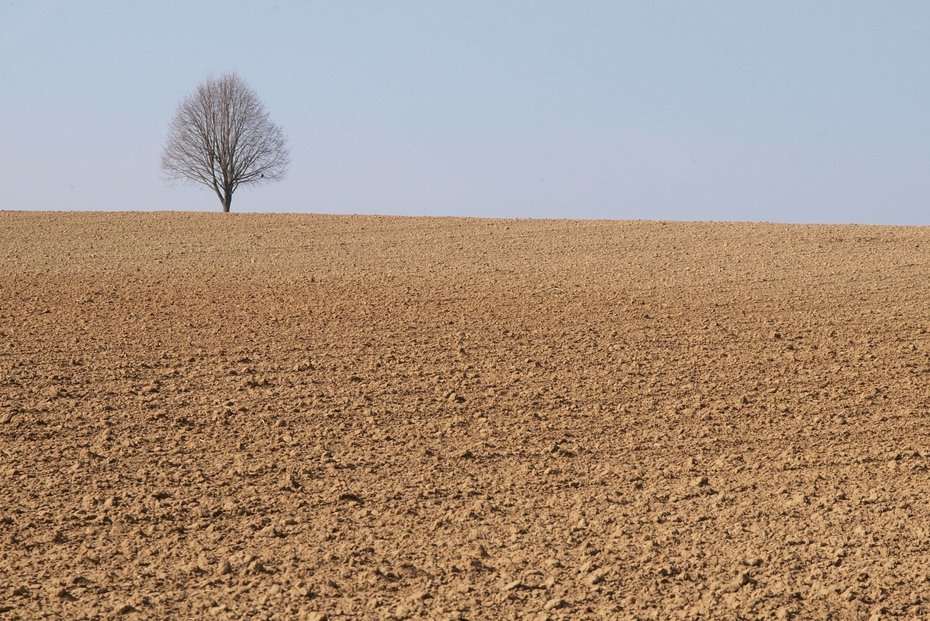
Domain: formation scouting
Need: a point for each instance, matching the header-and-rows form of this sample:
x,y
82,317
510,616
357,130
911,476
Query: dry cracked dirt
x,y
307,417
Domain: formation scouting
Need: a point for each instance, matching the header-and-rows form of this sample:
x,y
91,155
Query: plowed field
x,y
308,417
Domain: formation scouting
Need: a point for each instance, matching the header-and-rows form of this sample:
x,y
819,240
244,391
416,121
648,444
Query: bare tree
x,y
221,136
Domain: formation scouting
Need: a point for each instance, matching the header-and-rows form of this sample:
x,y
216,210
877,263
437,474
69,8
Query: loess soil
x,y
307,417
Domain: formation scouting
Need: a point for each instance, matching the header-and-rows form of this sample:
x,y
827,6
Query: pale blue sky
x,y
792,111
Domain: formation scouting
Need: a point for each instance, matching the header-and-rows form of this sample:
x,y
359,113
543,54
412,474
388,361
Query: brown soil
x,y
306,417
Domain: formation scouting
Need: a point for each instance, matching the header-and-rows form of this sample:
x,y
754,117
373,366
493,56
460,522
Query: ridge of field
x,y
301,416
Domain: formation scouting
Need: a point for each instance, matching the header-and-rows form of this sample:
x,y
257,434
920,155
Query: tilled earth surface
x,y
308,417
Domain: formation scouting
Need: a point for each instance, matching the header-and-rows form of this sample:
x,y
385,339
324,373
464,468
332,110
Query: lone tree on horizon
x,y
221,137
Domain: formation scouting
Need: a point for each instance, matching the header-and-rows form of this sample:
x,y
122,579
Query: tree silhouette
x,y
221,137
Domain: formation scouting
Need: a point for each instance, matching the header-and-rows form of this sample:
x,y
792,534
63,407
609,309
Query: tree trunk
x,y
227,201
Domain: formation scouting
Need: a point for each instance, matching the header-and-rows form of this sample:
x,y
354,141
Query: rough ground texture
x,y
306,417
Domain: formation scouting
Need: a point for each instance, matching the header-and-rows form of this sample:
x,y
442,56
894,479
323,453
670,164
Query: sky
x,y
787,111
